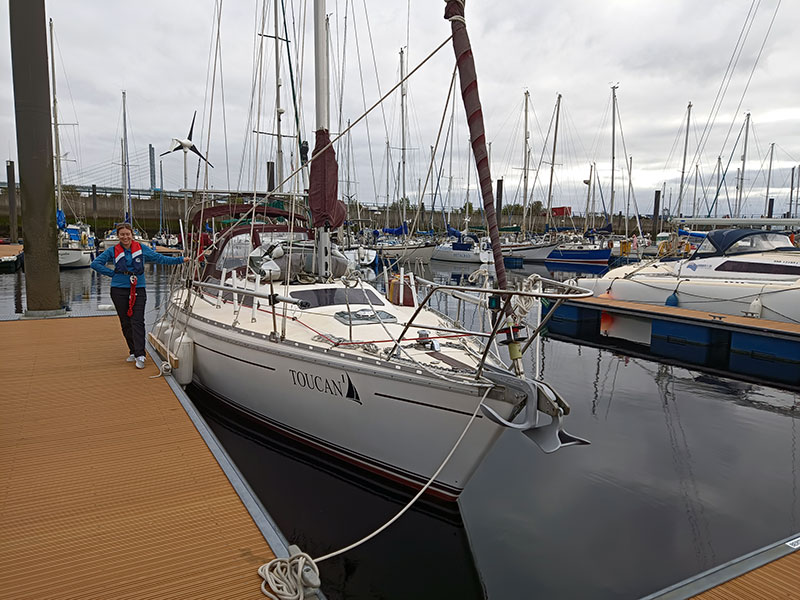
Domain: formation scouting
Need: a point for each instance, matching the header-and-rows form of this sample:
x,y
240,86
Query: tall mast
x,y
740,191
553,162
388,168
161,197
525,158
125,166
630,189
278,110
122,176
719,179
588,197
466,200
683,165
323,114
403,135
55,117
594,195
613,147
769,177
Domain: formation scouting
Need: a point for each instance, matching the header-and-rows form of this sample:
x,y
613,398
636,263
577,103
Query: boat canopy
x,y
738,241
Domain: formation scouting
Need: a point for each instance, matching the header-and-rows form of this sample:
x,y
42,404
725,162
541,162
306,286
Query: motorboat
x,y
749,272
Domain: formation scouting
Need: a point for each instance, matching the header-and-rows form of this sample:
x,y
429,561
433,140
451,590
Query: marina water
x,y
685,472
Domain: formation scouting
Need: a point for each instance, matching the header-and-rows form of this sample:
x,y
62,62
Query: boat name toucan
x,y
325,385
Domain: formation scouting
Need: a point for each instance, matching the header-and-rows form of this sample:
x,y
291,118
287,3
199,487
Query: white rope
x,y
284,578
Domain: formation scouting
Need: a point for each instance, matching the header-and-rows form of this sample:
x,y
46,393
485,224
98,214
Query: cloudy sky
x,y
662,56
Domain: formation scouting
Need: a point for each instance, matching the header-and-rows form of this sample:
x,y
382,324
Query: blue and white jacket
x,y
120,280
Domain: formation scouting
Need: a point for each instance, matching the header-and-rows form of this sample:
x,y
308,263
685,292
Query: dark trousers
x,y
133,326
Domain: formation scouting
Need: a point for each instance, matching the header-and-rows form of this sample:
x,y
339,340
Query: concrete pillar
x,y
35,154
11,178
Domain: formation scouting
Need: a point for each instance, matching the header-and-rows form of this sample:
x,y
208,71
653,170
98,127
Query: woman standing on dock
x,y
128,285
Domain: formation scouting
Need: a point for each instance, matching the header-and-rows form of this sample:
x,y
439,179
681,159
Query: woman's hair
x,y
124,226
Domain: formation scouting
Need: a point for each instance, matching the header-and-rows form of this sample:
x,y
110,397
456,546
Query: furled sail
x,y
454,12
326,208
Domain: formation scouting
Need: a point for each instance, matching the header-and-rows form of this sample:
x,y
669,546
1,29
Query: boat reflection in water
x,y
323,504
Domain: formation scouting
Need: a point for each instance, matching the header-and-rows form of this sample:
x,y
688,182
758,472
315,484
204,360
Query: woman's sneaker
x,y
131,358
140,362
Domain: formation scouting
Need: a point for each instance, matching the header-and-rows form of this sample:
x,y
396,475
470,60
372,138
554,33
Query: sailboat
x,y
75,241
383,382
584,250
111,237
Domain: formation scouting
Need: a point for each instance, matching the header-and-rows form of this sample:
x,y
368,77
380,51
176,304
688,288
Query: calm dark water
x,y
686,471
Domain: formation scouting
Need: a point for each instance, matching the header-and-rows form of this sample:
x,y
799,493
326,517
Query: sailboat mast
x,y
630,189
683,165
55,118
403,135
588,197
694,199
125,166
553,163
719,180
769,177
525,158
161,197
278,110
388,169
321,92
740,194
594,195
122,175
613,148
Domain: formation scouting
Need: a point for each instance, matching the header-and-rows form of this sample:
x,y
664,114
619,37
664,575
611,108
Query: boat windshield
x,y
762,242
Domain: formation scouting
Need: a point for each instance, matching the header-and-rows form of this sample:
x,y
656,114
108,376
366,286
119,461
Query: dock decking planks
x,y
108,490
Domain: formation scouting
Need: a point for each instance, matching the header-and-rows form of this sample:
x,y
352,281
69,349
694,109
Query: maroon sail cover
x,y
323,187
454,12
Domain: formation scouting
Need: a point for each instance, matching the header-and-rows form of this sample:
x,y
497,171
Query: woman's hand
x,y
185,259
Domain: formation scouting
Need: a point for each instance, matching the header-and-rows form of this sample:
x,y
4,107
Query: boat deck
x,y
108,489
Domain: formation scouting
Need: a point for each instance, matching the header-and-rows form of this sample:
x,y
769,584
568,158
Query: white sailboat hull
x,y
529,252
407,252
74,258
779,301
446,252
397,423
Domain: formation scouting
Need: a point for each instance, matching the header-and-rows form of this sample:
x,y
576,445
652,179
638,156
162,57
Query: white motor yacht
x,y
734,271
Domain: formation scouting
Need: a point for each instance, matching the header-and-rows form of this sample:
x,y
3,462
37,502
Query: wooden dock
x,y
10,257
677,313
108,489
769,573
778,579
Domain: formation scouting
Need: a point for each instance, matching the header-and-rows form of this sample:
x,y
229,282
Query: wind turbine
x,y
187,146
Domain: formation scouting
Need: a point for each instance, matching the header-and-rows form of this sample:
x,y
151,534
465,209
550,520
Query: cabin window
x,y
735,266
706,249
337,297
235,252
763,242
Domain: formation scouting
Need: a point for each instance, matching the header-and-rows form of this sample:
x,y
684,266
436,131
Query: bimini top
x,y
741,241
